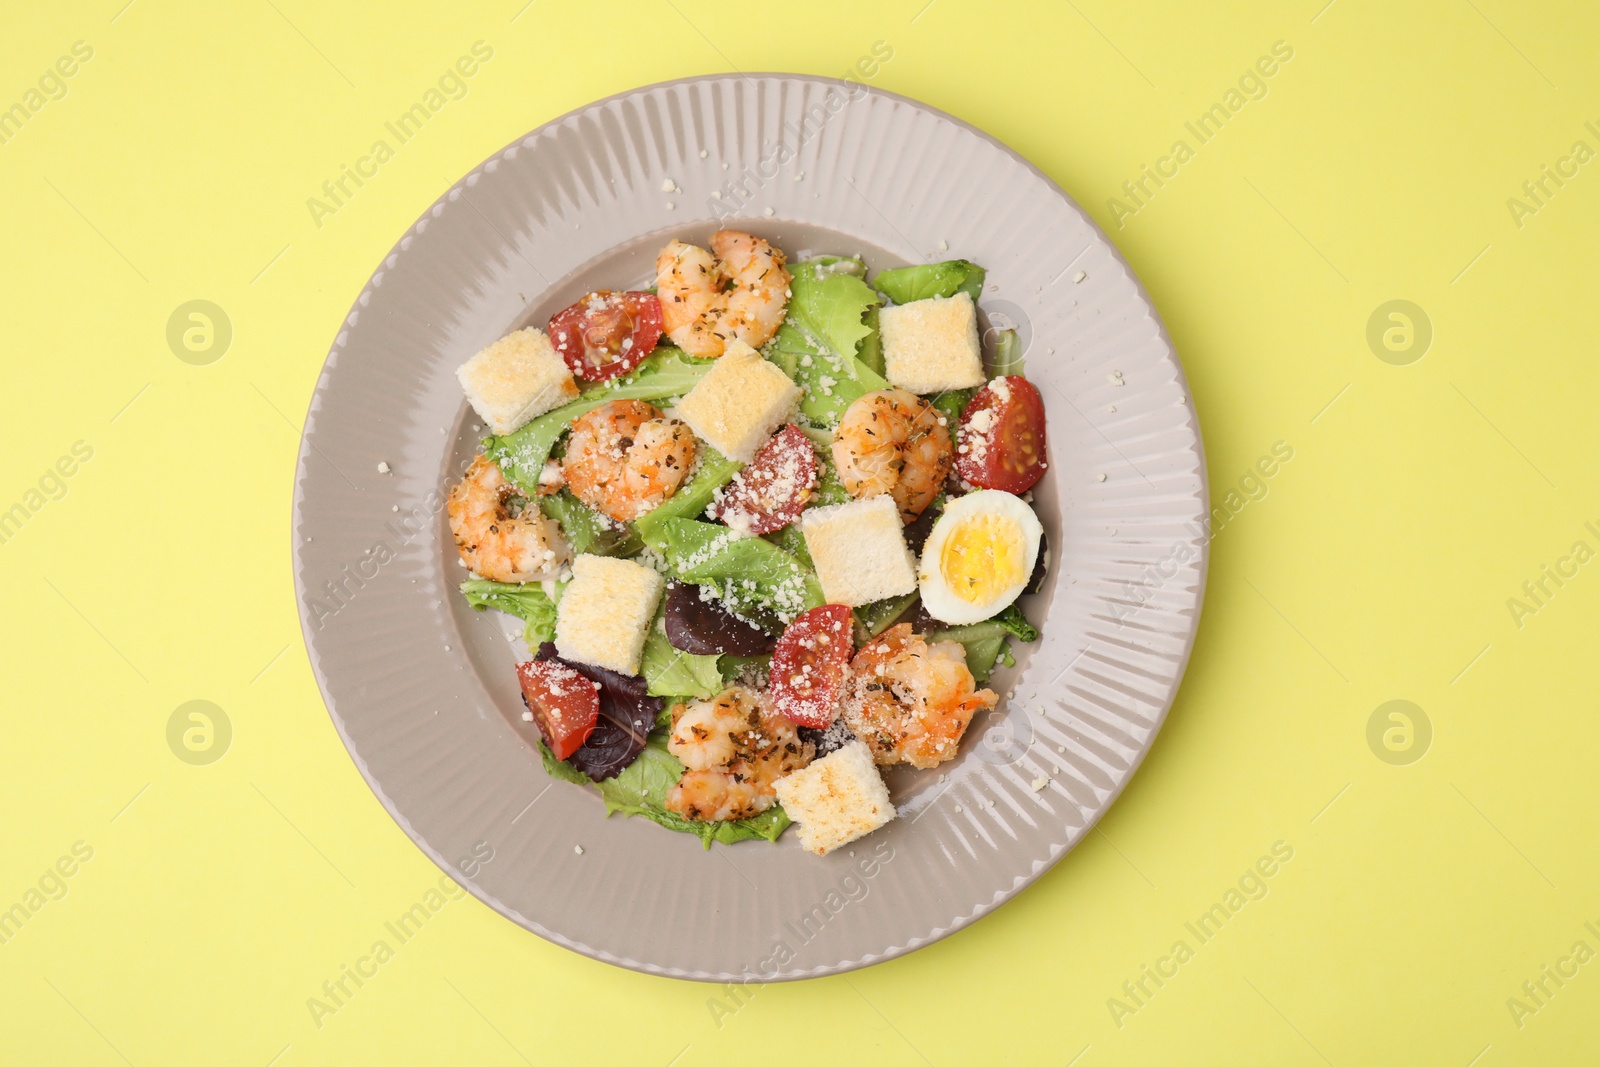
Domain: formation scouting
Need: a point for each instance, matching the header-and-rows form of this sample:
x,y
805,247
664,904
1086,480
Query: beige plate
x,y
421,687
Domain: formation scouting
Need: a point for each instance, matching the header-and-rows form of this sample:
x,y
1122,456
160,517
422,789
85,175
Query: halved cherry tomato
x,y
565,704
1000,444
809,666
773,489
607,333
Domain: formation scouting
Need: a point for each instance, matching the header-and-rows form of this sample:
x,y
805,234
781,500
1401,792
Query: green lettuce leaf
x,y
666,374
986,641
871,351
828,304
587,530
1016,624
692,498
641,789
951,403
828,343
669,672
527,602
852,265
872,619
561,769
792,541
1007,355
905,284
732,666
830,490
831,382
755,579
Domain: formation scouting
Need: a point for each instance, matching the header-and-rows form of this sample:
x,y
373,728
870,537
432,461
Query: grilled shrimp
x,y
735,748
911,701
625,457
893,441
495,542
738,289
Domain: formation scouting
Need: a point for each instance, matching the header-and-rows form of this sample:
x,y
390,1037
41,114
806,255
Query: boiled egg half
x,y
979,557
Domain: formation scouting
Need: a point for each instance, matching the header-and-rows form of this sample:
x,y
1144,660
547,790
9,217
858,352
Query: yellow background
x,y
1378,566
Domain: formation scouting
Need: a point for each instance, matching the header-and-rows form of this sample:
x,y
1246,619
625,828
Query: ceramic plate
x,y
421,687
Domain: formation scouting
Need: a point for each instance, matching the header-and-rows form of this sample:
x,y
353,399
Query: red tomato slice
x,y
773,489
565,704
809,666
1000,444
607,333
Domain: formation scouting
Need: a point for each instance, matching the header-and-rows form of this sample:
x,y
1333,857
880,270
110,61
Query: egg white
x,y
938,596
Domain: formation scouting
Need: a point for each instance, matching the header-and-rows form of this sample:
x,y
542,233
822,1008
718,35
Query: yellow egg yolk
x,y
983,557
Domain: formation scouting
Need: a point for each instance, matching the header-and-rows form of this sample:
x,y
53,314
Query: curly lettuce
x,y
527,602
828,344
587,530
641,789
713,472
986,641
828,302
667,374
925,280
753,578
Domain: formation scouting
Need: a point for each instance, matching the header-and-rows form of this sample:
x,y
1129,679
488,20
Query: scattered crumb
x,y
1078,277
394,507
447,648
670,205
798,177
578,849
384,468
1100,477
768,211
1061,748
702,153
716,194
724,166
669,186
944,246
958,809
527,716
1112,409
1038,784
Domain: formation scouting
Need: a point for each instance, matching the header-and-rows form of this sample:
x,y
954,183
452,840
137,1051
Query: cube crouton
x,y
517,378
859,550
931,346
606,612
837,799
740,402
